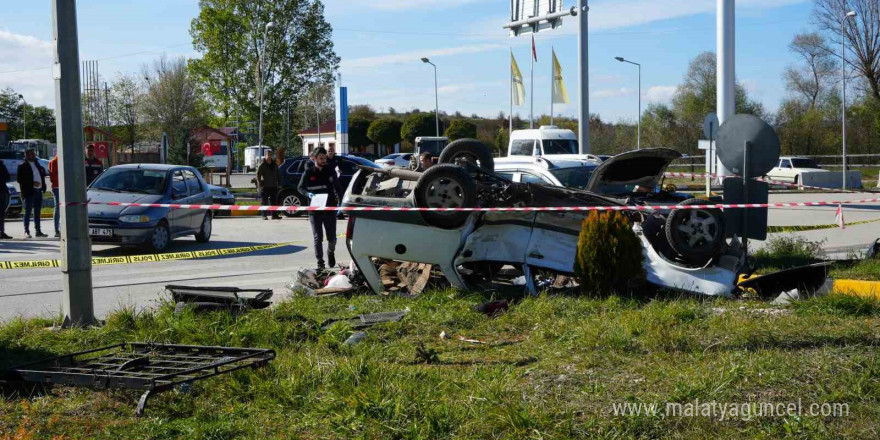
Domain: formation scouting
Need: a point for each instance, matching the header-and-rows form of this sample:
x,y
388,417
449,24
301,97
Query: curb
x,y
864,289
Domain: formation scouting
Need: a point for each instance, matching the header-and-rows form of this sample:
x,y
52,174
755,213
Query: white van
x,y
548,140
253,156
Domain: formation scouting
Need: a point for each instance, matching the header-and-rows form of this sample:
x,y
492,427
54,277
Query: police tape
x,y
500,209
147,258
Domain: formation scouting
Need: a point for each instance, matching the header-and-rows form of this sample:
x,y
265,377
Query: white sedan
x,y
789,169
400,160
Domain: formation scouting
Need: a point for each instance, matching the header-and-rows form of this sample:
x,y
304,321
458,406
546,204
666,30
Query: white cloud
x,y
25,67
662,94
416,56
612,93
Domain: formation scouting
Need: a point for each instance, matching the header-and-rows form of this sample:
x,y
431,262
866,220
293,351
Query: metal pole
x,y
552,84
76,258
843,70
532,85
24,117
726,23
318,113
262,80
745,212
639,125
584,76
436,101
510,115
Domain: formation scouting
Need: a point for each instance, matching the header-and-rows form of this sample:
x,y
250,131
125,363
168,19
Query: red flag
x,y
534,51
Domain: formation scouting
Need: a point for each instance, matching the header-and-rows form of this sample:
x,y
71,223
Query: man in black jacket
x,y
32,181
268,182
322,179
4,199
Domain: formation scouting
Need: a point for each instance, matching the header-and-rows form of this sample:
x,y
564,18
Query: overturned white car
x,y
683,248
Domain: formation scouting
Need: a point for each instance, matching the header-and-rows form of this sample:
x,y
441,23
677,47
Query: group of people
x,y
31,178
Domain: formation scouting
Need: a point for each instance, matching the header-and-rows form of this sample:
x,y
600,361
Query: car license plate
x,y
101,232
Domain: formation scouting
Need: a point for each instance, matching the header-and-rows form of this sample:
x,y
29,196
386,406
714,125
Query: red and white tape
x,y
503,209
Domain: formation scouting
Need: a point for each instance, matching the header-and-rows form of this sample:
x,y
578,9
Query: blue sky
x,y
381,41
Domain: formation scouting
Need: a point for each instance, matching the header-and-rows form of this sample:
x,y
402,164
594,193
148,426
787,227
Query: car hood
x,y
644,168
101,211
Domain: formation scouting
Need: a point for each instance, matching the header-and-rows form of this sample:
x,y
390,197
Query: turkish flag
x,y
207,150
102,149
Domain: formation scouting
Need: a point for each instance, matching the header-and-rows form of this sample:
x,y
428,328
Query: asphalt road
x,y
37,292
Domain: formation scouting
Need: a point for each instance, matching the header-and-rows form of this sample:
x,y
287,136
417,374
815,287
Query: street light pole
x,y
843,71
622,60
436,96
263,79
23,115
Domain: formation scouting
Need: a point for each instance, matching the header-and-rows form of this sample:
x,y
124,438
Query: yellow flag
x,y
560,94
518,89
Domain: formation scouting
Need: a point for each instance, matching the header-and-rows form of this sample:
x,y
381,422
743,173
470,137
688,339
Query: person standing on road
x,y
32,181
94,166
268,182
53,178
322,179
4,199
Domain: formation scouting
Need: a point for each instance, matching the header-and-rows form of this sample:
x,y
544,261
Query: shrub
x,y
784,252
609,255
460,129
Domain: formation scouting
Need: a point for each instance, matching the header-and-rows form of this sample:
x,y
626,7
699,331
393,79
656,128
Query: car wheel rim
x,y
160,238
291,201
468,157
445,193
699,228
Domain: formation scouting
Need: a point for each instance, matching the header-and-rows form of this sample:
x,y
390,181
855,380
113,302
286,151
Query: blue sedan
x,y
151,227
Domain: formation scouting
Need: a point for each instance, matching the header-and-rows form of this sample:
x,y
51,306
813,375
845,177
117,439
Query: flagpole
x,y
510,115
532,97
552,81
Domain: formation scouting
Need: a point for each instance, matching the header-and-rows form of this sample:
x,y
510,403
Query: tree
x,y
461,128
385,131
817,73
502,139
861,35
357,132
172,105
361,111
297,53
418,124
126,103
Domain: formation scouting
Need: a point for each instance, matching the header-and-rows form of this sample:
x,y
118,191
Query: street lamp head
x,y
20,96
425,60
619,59
851,14
270,24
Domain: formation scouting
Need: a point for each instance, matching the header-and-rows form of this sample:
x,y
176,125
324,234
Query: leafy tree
x,y
502,139
40,120
461,128
297,53
863,44
357,131
419,124
385,131
361,111
126,105
172,104
818,71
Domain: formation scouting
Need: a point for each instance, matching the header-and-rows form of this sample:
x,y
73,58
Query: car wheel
x,y
796,179
204,234
446,186
291,199
695,234
470,150
160,239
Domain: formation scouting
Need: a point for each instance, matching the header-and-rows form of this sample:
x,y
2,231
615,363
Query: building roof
x,y
206,132
326,127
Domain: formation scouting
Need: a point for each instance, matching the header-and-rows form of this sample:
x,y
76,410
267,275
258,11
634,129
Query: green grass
x,y
550,368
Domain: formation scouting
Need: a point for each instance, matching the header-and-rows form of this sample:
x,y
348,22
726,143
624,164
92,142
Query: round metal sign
x,y
710,127
763,145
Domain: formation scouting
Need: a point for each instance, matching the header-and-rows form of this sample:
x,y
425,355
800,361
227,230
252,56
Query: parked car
x,y
253,155
684,248
368,156
15,205
789,169
151,227
567,173
293,168
12,159
221,196
400,160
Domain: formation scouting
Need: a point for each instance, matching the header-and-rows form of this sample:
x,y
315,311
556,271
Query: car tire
x,y
445,186
796,179
290,198
696,235
160,239
471,150
204,234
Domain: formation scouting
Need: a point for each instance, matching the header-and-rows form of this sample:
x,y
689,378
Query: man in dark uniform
x,y
268,182
94,166
322,179
32,181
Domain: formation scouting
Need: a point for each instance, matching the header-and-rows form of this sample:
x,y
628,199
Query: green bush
x,y
609,255
787,251
460,129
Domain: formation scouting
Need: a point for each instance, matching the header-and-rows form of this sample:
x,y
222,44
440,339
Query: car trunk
x,y
621,173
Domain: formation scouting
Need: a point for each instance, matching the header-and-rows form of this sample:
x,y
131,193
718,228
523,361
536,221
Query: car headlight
x,y
134,218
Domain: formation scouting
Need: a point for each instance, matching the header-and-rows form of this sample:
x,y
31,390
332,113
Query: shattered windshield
x,y
560,146
575,177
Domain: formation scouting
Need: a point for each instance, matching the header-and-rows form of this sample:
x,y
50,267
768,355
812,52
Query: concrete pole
x,y
436,102
76,250
584,76
726,58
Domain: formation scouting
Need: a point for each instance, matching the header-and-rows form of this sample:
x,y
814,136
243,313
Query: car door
x,y
195,196
786,171
554,240
178,219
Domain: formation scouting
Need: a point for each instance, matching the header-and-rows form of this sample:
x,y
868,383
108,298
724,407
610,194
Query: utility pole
x,y
76,250
584,75
109,128
726,80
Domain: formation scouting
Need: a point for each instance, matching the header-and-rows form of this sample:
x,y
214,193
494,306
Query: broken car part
x,y
368,320
214,298
152,368
806,279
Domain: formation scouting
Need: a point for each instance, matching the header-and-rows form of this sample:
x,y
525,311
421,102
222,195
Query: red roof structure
x,y
326,127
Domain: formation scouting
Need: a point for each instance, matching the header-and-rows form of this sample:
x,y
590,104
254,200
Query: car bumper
x,y
122,234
